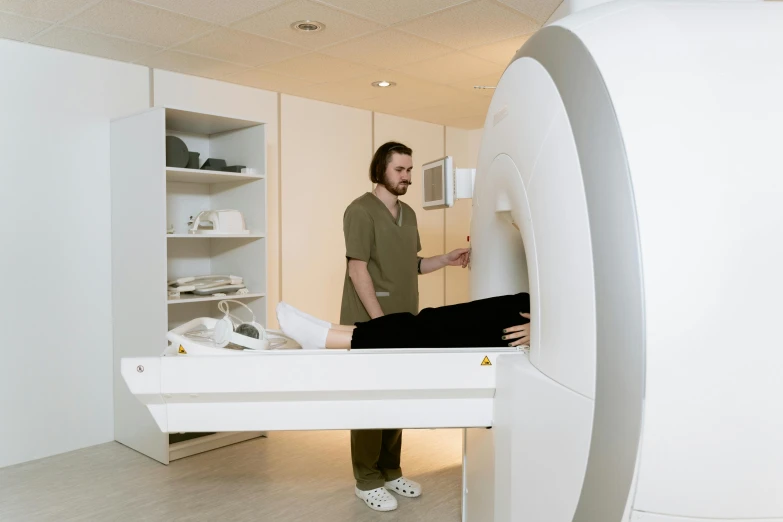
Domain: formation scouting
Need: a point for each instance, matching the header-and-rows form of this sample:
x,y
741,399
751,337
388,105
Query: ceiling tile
x,y
388,12
269,81
320,68
95,44
449,112
500,52
428,92
216,11
49,10
539,10
415,96
471,25
324,93
19,28
139,22
409,93
469,123
346,92
451,68
390,105
191,64
238,47
389,48
276,23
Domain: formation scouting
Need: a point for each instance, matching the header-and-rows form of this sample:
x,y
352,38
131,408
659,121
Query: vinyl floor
x,y
287,477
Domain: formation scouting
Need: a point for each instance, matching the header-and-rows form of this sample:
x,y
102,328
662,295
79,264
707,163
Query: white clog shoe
x,y
378,499
404,487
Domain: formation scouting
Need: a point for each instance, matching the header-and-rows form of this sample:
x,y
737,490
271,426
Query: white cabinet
x,y
147,198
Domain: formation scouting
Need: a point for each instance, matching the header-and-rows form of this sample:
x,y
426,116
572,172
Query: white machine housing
x,y
630,179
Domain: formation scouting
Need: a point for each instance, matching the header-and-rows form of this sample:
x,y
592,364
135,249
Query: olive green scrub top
x,y
390,247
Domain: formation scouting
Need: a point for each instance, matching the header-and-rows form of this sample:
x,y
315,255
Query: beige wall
x,y
325,155
463,146
427,142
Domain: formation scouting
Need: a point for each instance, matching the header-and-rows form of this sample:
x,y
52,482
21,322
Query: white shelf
x,y
207,176
186,448
194,122
189,298
222,236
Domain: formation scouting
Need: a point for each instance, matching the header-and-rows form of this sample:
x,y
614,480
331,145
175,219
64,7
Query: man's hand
x,y
460,256
362,282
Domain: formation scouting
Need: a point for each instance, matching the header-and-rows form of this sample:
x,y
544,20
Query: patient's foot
x,y
319,322
305,332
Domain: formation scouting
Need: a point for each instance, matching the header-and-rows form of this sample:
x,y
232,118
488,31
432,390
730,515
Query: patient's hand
x,y
518,335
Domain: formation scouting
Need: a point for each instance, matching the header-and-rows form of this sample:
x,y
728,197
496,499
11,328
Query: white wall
x,y
325,157
56,383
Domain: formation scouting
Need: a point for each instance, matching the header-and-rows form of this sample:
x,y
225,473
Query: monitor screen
x,y
438,180
433,183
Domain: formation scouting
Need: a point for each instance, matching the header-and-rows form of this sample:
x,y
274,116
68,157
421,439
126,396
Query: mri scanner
x,y
631,179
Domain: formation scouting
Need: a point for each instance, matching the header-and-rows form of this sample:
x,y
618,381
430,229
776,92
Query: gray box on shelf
x,y
193,160
214,164
176,152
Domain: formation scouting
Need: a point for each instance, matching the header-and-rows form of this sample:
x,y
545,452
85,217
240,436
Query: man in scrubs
x,y
382,245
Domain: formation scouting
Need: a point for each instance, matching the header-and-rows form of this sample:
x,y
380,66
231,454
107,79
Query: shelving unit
x,y
147,198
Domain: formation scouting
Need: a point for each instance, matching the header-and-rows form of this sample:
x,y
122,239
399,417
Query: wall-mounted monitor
x,y
438,180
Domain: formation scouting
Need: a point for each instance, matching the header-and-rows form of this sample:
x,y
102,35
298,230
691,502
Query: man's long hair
x,y
382,158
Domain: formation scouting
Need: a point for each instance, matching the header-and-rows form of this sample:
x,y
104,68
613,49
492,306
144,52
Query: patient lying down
x,y
491,322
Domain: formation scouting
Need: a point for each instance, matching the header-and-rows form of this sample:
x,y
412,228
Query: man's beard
x,y
398,190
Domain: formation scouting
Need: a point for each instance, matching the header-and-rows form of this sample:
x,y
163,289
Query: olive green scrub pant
x,y
376,457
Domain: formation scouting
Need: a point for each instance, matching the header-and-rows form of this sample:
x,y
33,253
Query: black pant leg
x,y
475,324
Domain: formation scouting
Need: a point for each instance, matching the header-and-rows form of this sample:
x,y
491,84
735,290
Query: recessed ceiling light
x,y
308,26
383,83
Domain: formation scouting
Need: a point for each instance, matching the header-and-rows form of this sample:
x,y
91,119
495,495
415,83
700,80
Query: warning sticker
x,y
182,350
486,362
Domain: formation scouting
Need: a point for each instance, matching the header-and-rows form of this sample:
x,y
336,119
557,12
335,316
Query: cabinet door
x,y
317,390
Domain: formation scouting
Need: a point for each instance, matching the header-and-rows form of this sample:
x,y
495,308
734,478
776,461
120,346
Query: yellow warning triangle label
x,y
486,362
182,350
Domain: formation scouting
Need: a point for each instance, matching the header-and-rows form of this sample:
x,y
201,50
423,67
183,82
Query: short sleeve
x,y
418,241
359,233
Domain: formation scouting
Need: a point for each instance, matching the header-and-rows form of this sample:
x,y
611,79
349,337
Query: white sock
x,y
307,333
319,322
